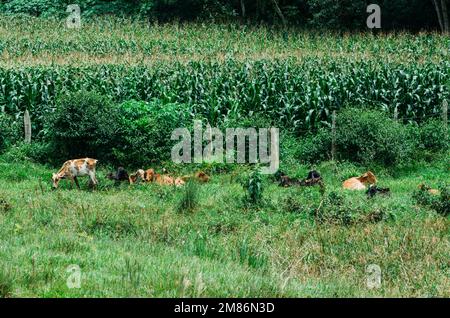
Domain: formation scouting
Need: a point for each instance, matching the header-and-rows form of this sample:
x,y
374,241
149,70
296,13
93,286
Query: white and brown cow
x,y
72,169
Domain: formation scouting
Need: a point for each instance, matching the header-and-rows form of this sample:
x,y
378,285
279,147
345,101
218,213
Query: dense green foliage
x,y
371,137
145,131
131,133
156,79
434,136
9,131
83,125
254,188
344,14
440,203
295,94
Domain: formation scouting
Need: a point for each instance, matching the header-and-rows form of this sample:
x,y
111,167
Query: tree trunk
x,y
280,14
243,8
442,14
445,16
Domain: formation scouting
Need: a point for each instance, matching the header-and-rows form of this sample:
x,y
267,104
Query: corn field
x,y
296,94
294,78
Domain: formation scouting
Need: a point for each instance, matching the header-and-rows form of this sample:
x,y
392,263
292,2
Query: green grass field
x,y
134,241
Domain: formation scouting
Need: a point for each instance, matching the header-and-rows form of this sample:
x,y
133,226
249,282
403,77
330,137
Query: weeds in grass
x,y
4,206
132,274
336,209
251,258
189,199
101,225
254,188
440,203
6,284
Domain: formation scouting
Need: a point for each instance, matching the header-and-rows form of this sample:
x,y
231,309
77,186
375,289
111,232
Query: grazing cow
x,y
120,175
359,183
374,190
72,169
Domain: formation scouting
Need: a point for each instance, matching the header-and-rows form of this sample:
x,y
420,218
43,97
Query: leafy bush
x,y
36,7
84,124
146,129
35,151
311,148
189,199
440,203
338,209
9,131
254,187
371,137
434,136
362,136
6,283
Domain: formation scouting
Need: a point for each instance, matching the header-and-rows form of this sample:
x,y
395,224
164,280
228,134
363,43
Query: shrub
x,y
311,148
338,209
146,129
9,131
254,187
34,7
84,124
434,136
370,136
189,199
440,203
362,136
35,151
6,284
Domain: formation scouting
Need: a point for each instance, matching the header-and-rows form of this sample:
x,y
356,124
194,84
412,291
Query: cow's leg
x,y
76,182
71,182
93,180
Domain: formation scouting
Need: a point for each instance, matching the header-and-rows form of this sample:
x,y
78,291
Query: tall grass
x,y
132,241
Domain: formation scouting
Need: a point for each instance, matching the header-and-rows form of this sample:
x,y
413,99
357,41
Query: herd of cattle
x,y
72,169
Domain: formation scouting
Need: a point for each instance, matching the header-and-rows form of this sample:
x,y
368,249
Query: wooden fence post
x,y
445,112
27,126
333,136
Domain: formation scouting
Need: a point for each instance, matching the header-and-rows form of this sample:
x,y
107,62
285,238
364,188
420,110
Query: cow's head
x,y
368,177
149,175
55,180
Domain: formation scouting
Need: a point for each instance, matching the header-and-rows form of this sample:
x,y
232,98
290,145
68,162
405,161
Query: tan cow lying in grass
x,y
359,183
199,176
431,191
149,176
72,169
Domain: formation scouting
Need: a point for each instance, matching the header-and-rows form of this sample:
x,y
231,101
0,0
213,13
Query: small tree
x,y
254,187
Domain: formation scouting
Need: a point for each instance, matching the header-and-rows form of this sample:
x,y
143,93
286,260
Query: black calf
x,y
120,175
374,190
